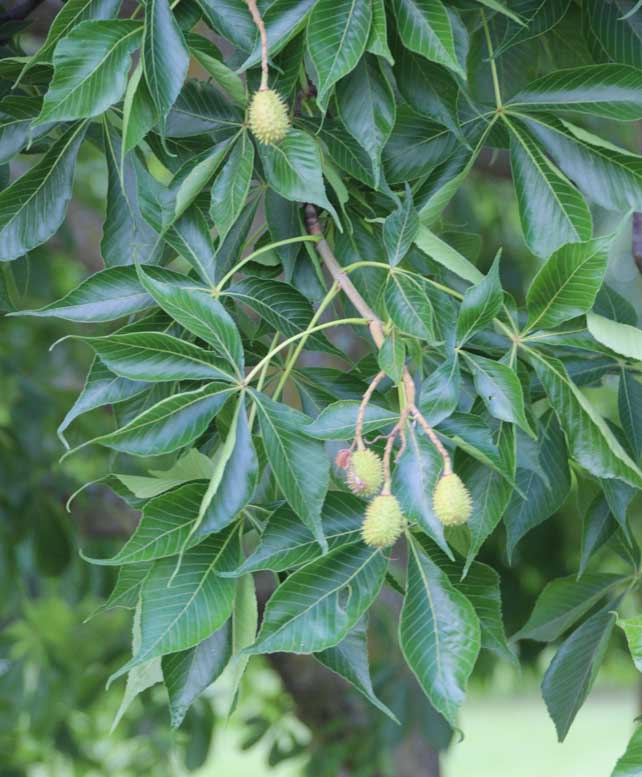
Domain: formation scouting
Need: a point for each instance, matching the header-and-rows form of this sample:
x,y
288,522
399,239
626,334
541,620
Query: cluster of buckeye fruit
x,y
384,521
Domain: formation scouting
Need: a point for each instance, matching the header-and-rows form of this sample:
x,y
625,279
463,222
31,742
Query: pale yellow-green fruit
x,y
268,117
451,501
365,473
383,522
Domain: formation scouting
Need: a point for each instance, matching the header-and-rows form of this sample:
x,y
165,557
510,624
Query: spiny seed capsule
x,y
268,117
451,500
365,473
383,522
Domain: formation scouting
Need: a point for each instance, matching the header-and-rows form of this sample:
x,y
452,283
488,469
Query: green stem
x,y
493,66
263,250
292,359
261,381
341,322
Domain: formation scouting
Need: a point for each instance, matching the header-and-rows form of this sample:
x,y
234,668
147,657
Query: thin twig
x,y
432,436
358,429
397,430
256,16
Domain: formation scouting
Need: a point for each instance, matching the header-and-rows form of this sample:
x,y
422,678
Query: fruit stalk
x,y
258,21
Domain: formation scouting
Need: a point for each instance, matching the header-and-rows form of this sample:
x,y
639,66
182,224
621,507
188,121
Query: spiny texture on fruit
x,y
451,500
383,523
268,116
365,473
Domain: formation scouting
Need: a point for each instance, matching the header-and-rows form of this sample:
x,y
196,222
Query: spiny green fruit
x,y
383,522
268,116
365,473
451,500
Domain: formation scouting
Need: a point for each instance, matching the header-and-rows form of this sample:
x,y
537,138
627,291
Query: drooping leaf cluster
x,y
212,290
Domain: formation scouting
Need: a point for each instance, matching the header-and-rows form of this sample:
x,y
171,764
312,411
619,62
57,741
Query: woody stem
x,y
258,21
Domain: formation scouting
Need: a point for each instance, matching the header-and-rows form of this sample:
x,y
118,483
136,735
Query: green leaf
x,y
154,357
392,356
409,306
543,477
192,465
490,491
425,27
572,672
610,91
598,525
439,634
447,256
126,591
566,286
618,33
207,55
139,111
416,146
496,5
188,673
563,602
628,765
141,677
606,174
378,40
190,237
316,606
106,296
198,311
481,304
337,421
337,34
299,463
168,425
552,211
101,388
33,207
70,15
165,524
400,230
201,108
500,389
245,619
127,237
198,602
414,479
165,56
366,106
589,438
232,185
293,169
91,66
481,587
281,306
349,659
621,338
632,628
17,113
287,543
630,409
233,479
473,435
440,391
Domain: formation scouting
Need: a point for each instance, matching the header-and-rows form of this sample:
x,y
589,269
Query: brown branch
x,y
256,17
358,429
376,330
